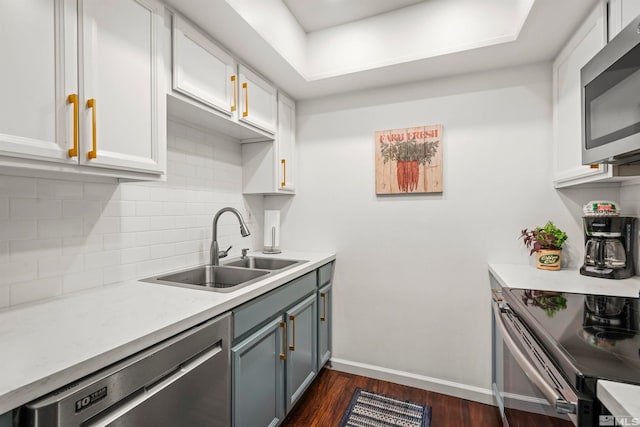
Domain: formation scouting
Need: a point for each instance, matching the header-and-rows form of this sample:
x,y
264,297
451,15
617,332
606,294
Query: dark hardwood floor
x,y
324,404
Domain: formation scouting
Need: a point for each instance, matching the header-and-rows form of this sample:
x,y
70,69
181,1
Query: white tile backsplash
x,y
35,208
18,229
18,187
18,269
59,236
101,225
82,280
4,208
36,248
5,296
85,208
64,227
54,189
59,265
35,290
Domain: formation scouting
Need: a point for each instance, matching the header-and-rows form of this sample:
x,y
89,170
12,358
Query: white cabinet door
x,y
268,167
203,71
38,45
567,90
121,71
286,142
258,101
621,13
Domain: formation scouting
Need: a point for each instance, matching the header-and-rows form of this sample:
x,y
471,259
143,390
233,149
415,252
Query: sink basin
x,y
263,263
219,278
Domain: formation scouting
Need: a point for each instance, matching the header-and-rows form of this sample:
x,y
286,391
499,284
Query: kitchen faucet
x,y
216,254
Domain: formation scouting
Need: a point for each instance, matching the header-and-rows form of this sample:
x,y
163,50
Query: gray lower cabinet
x,y
324,324
275,352
258,377
301,360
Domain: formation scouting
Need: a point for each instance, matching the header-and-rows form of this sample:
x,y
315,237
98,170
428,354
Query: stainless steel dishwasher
x,y
182,381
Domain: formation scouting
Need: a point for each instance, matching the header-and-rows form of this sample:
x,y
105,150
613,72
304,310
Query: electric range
x,y
590,337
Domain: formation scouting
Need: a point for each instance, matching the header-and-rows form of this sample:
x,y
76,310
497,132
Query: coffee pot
x,y
609,246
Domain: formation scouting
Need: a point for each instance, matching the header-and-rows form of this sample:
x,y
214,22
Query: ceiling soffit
x,y
423,30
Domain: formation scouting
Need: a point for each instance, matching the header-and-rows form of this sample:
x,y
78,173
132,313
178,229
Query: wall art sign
x,y
409,160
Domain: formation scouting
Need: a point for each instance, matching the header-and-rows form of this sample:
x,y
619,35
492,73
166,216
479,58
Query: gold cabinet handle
x,y
91,103
234,107
324,306
596,166
73,99
284,172
245,86
283,355
292,347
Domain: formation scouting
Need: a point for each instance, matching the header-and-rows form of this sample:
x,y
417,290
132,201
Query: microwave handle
x,y
560,404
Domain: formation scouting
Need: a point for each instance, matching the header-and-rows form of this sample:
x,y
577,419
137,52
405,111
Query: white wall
x,y
59,236
411,282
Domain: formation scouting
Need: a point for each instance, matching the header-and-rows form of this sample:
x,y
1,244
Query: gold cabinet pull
x,y
73,99
234,107
284,172
283,355
91,103
324,306
596,166
245,86
292,347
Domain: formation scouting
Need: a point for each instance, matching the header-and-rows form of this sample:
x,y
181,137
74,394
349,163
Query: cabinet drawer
x,y
253,313
325,274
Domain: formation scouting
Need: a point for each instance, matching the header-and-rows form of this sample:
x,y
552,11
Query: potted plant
x,y
547,243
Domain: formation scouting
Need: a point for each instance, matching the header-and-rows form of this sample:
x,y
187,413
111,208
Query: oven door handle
x,y
556,400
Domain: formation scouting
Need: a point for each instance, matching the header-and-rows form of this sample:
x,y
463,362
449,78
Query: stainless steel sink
x,y
218,278
263,263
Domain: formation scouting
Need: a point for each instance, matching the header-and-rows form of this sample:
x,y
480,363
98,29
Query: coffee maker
x,y
609,246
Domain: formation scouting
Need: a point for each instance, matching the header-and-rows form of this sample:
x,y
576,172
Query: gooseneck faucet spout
x,y
216,254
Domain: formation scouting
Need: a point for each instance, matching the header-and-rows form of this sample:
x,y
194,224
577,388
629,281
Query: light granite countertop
x,y
49,344
622,400
566,280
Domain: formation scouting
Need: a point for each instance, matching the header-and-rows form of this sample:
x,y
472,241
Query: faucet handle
x,y
244,252
223,254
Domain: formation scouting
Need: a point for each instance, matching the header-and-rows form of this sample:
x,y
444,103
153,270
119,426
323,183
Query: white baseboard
x,y
450,388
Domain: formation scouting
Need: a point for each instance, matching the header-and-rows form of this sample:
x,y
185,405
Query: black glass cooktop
x,y
590,336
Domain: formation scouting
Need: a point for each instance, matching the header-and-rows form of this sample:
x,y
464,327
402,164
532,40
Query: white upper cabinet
x,y
567,102
590,38
206,88
286,143
269,167
203,71
85,88
258,101
621,13
39,70
121,90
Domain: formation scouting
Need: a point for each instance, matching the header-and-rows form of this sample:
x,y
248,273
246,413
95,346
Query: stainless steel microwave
x,y
611,101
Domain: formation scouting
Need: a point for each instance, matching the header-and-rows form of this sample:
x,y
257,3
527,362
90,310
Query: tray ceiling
x,y
320,14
